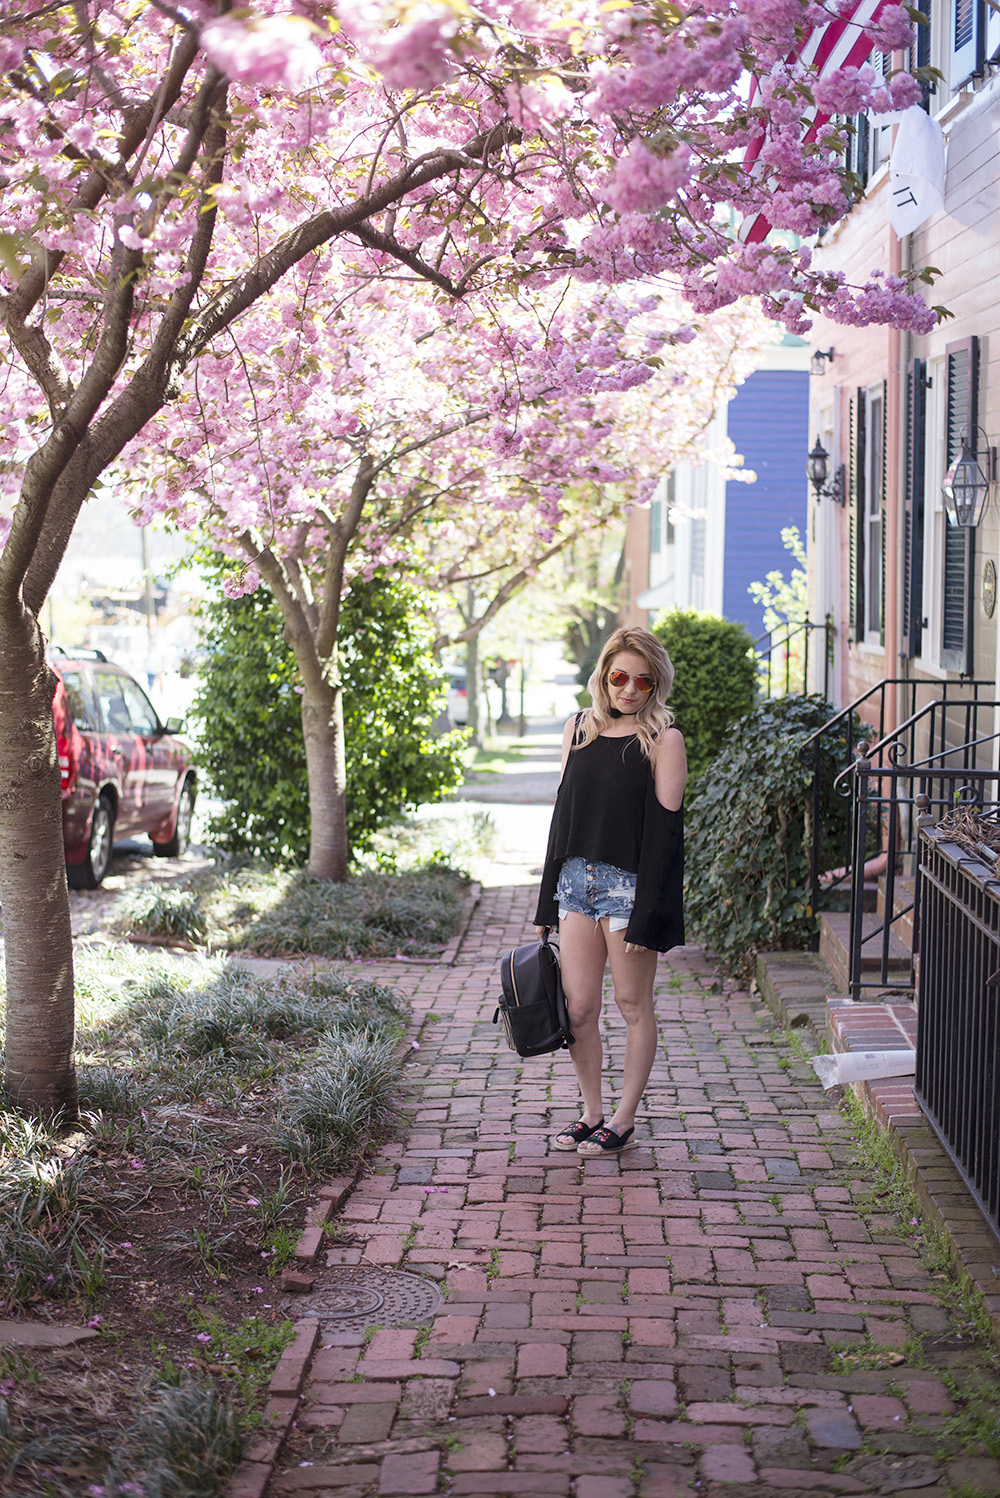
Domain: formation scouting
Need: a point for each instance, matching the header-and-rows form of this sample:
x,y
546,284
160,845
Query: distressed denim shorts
x,y
596,890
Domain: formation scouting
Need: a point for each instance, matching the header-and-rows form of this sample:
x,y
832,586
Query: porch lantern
x,y
966,486
817,472
818,362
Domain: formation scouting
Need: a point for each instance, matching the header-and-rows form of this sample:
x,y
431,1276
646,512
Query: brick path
x,y
661,1325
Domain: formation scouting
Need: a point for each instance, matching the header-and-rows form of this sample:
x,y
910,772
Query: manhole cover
x,y
351,1298
894,1473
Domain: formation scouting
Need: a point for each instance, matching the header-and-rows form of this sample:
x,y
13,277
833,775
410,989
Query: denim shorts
x,y
596,890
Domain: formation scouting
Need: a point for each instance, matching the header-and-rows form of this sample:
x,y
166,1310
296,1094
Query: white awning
x,y
660,596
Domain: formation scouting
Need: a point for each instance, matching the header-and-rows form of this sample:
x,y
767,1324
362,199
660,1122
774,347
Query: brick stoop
x,y
801,991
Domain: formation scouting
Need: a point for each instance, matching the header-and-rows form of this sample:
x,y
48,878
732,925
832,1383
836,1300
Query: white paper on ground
x,y
863,1066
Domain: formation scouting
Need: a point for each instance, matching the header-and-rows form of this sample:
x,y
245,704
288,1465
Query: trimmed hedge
x,y
715,679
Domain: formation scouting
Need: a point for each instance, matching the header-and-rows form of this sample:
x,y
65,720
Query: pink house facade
x,y
912,595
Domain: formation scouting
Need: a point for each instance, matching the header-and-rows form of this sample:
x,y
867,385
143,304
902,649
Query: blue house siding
x,y
768,425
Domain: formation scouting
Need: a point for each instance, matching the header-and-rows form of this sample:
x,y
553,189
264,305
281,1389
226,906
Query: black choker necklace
x,y
614,712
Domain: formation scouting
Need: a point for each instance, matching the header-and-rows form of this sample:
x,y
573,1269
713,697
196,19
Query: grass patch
x,y
283,913
162,914
162,1218
492,758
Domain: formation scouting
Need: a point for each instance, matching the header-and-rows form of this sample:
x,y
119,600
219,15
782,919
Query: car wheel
x,y
182,831
89,873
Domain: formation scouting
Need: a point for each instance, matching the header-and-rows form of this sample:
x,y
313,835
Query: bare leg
x,y
633,974
583,956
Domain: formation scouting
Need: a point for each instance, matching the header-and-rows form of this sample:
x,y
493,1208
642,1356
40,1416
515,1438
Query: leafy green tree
x,y
785,603
715,677
249,706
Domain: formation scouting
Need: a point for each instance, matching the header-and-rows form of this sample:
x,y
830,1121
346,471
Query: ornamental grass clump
x,y
161,915
184,1444
344,1103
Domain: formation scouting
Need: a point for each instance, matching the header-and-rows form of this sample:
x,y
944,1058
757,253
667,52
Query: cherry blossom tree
x,y
168,170
392,429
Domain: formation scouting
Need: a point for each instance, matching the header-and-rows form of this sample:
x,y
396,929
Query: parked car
x,y
123,771
458,702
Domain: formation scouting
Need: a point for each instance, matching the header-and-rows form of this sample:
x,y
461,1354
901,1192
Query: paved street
x,y
712,1313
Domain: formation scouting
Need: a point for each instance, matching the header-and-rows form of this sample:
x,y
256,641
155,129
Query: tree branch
x,y
248,287
333,574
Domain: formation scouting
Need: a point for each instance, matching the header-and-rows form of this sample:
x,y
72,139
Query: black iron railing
x,y
958,1013
957,719
891,800
783,657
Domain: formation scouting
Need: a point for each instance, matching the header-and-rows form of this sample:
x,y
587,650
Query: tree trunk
x,y
326,767
473,696
38,942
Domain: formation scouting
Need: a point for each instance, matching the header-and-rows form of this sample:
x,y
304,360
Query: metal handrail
x,y
948,694
792,630
872,751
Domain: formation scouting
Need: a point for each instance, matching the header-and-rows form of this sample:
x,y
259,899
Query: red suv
x,y
123,771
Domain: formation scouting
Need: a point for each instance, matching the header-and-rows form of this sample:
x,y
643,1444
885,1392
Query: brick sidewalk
x,y
708,1314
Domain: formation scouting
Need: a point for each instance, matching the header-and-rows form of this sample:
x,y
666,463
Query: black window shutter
x,y
856,519
920,54
913,509
961,414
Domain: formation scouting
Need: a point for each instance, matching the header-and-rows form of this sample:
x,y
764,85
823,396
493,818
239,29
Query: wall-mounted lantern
x,y
817,468
818,362
966,486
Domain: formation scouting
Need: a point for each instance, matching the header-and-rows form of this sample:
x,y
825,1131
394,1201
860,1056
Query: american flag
x,y
844,42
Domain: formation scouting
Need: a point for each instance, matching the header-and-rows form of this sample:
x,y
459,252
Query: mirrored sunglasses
x,y
620,678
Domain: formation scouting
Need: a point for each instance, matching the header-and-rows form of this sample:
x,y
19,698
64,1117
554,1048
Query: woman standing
x,y
614,869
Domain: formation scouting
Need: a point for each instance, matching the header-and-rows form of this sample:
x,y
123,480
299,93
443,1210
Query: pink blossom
x,y
893,30
269,51
238,585
643,181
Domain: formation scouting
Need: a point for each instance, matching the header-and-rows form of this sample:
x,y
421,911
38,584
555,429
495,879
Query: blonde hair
x,y
654,715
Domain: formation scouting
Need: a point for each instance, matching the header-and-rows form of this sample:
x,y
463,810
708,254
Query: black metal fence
x,y
783,657
958,1016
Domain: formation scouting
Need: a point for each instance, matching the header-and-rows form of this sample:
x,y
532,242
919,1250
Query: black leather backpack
x,y
532,1008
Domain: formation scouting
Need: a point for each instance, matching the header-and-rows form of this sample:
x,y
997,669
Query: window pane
x,y
140,711
111,703
81,703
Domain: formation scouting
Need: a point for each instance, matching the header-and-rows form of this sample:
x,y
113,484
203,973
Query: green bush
x,y
715,678
249,706
749,832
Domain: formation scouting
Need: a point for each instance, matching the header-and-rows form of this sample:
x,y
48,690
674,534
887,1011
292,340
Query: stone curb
x,y
796,986
251,1477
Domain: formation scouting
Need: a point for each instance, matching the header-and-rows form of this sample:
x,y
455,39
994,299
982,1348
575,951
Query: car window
x,y
111,701
80,700
140,709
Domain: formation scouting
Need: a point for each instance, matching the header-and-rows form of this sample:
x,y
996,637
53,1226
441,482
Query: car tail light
x,y
67,769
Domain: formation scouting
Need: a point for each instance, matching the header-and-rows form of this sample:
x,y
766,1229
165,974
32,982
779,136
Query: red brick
x,y
414,1472
652,1397
728,1464
541,1360
878,1411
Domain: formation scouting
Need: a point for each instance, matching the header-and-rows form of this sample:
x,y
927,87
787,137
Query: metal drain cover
x,y
351,1298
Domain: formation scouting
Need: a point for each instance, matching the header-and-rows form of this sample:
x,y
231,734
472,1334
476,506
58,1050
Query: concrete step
x,y
834,939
